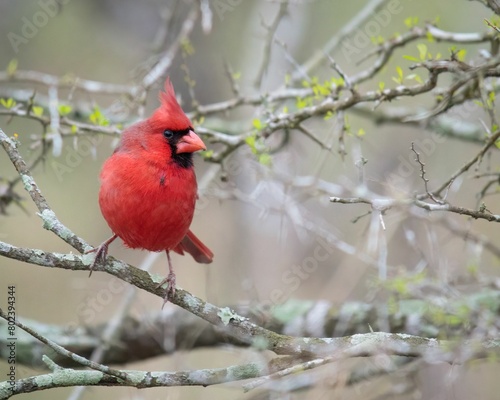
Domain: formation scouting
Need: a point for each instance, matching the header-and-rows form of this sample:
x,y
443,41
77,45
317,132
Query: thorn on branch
x,y
356,219
422,175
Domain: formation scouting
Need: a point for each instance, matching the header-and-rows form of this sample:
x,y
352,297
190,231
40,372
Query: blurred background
x,y
260,221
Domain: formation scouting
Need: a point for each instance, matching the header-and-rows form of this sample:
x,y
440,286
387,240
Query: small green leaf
x,y
12,67
320,90
64,109
422,51
473,269
361,132
381,86
265,159
490,101
236,75
199,121
207,154
8,103
461,54
337,81
257,124
347,125
399,79
411,58
302,103
410,22
187,47
37,110
97,118
251,142
478,103
328,115
399,70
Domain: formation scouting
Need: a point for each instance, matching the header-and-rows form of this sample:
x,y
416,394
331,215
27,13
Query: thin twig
x,y
489,143
48,216
67,82
422,175
271,31
383,204
168,56
288,371
66,353
350,27
492,25
336,67
230,75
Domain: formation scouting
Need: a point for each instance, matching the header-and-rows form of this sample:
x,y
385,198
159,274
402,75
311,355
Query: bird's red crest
x,y
170,114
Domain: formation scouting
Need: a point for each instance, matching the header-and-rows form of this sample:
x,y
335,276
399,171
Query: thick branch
x,y
145,337
63,377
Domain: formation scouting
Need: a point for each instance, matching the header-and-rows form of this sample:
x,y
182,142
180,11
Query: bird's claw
x,y
101,253
171,280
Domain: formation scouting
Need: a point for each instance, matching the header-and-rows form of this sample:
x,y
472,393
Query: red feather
x,y
146,197
170,111
196,248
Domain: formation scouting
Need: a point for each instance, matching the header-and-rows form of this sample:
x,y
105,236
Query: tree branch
x,y
361,345
145,337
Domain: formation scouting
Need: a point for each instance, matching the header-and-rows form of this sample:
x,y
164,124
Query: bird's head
x,y
171,130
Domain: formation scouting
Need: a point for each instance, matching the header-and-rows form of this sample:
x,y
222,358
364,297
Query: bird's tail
x,y
196,248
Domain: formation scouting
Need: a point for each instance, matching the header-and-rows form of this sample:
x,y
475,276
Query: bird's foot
x,y
170,279
101,252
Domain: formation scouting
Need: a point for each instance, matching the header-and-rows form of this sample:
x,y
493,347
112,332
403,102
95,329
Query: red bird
x,y
148,186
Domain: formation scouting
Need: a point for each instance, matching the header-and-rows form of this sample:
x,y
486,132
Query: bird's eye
x,y
168,133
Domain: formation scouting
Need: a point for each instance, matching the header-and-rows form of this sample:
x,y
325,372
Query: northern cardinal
x,y
148,186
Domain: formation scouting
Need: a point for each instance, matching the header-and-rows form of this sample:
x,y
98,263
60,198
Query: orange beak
x,y
190,143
